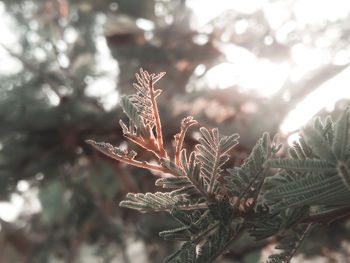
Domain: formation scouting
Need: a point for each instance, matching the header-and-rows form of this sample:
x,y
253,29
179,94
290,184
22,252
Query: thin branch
x,y
147,145
300,241
162,152
237,204
345,174
133,162
209,198
179,138
256,194
325,218
204,233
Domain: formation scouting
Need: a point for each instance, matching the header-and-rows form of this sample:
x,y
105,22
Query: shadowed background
x,y
242,66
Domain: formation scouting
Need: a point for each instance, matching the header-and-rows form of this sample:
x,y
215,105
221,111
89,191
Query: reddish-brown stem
x,y
149,145
162,152
144,164
180,140
133,162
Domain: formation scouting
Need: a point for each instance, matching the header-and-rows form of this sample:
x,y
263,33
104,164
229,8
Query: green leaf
x,y
171,166
312,183
344,174
306,165
212,155
290,244
242,179
131,111
192,170
341,141
150,202
110,150
314,190
173,182
318,144
186,254
180,234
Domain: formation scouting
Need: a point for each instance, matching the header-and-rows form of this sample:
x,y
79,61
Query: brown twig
x,y
131,161
162,152
300,241
148,145
179,138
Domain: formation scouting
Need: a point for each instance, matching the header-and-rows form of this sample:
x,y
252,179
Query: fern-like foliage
x,y
153,202
324,162
210,233
112,151
214,207
217,243
266,224
190,184
290,243
142,100
244,182
213,155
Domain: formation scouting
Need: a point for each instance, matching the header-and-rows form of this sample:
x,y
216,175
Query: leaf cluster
x,y
215,206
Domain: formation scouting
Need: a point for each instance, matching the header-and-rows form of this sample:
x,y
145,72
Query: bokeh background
x,y
243,66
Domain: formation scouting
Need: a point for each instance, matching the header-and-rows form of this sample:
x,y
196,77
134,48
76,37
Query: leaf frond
x,y
307,165
341,143
112,151
151,202
290,244
212,154
242,181
319,145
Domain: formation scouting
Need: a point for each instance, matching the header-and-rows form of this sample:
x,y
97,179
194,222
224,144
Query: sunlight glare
x,y
325,96
318,12
9,211
248,72
206,10
8,38
221,76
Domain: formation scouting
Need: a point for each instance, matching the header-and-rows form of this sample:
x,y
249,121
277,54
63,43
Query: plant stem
x,y
133,162
162,152
327,217
300,241
181,138
149,146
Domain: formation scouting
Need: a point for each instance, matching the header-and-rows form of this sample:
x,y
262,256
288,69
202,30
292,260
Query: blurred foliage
x,y
47,110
